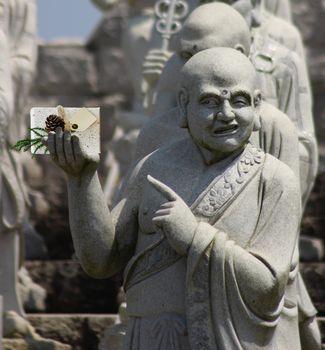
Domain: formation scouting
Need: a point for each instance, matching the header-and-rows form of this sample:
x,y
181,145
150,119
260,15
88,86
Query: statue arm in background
x,y
167,85
23,51
296,100
104,240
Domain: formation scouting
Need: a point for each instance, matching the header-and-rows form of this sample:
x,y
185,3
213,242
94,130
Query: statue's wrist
x,y
192,237
83,177
185,245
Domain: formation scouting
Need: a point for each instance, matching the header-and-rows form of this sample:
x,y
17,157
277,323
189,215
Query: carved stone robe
x,y
237,282
279,8
283,80
12,201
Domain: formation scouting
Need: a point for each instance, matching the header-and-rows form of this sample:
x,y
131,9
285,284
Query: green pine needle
x,y
38,131
26,144
39,146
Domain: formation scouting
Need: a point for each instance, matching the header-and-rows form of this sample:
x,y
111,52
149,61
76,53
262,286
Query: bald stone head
x,y
214,25
218,100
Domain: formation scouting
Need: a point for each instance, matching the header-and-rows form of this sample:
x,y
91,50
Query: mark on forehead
x,y
226,93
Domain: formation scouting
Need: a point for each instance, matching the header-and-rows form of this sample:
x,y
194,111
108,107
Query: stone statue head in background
x,y
208,26
212,25
218,99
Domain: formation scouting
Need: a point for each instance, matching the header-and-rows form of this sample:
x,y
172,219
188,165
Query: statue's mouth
x,y
225,130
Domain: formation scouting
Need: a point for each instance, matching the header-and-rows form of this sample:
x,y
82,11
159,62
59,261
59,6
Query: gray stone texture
x,y
73,68
65,68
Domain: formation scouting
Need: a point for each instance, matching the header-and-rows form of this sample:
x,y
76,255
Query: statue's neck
x,y
212,157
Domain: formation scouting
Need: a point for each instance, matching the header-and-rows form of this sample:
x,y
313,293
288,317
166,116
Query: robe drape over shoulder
x,y
240,282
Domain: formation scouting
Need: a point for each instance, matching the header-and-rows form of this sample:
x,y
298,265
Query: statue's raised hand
x,y
67,153
153,65
175,218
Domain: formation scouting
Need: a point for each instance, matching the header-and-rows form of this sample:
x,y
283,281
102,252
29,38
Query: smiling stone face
x,y
219,100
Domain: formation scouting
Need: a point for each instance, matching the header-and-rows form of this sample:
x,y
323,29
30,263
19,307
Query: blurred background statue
x,y
18,43
280,8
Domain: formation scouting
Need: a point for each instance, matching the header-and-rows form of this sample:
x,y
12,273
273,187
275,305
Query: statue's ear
x,y
241,48
182,99
257,107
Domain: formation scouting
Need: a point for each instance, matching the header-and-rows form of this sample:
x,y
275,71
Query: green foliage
x,y
26,144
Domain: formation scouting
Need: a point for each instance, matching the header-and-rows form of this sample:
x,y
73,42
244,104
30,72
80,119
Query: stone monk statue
x,y
207,228
12,201
280,73
276,134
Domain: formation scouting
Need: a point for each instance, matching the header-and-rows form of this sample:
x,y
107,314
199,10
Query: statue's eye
x,y
210,101
240,101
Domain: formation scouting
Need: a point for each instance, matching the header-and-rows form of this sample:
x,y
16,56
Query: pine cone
x,y
53,121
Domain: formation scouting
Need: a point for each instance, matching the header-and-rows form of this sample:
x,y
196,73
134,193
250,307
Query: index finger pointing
x,y
166,191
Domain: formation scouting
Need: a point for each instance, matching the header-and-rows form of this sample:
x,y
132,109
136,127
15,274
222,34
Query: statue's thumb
x,y
166,191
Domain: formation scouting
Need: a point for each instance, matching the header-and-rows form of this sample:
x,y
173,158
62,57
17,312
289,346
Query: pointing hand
x,y
174,217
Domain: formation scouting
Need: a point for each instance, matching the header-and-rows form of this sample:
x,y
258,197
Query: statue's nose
x,y
226,114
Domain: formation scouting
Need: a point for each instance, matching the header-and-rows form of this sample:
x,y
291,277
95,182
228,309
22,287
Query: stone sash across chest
x,y
208,207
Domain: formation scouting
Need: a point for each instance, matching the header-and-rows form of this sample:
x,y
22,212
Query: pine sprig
x,y
26,144
41,132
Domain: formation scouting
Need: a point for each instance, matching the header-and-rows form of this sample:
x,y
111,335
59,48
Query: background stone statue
x,y
186,236
23,48
280,8
17,64
267,25
140,43
19,27
12,200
